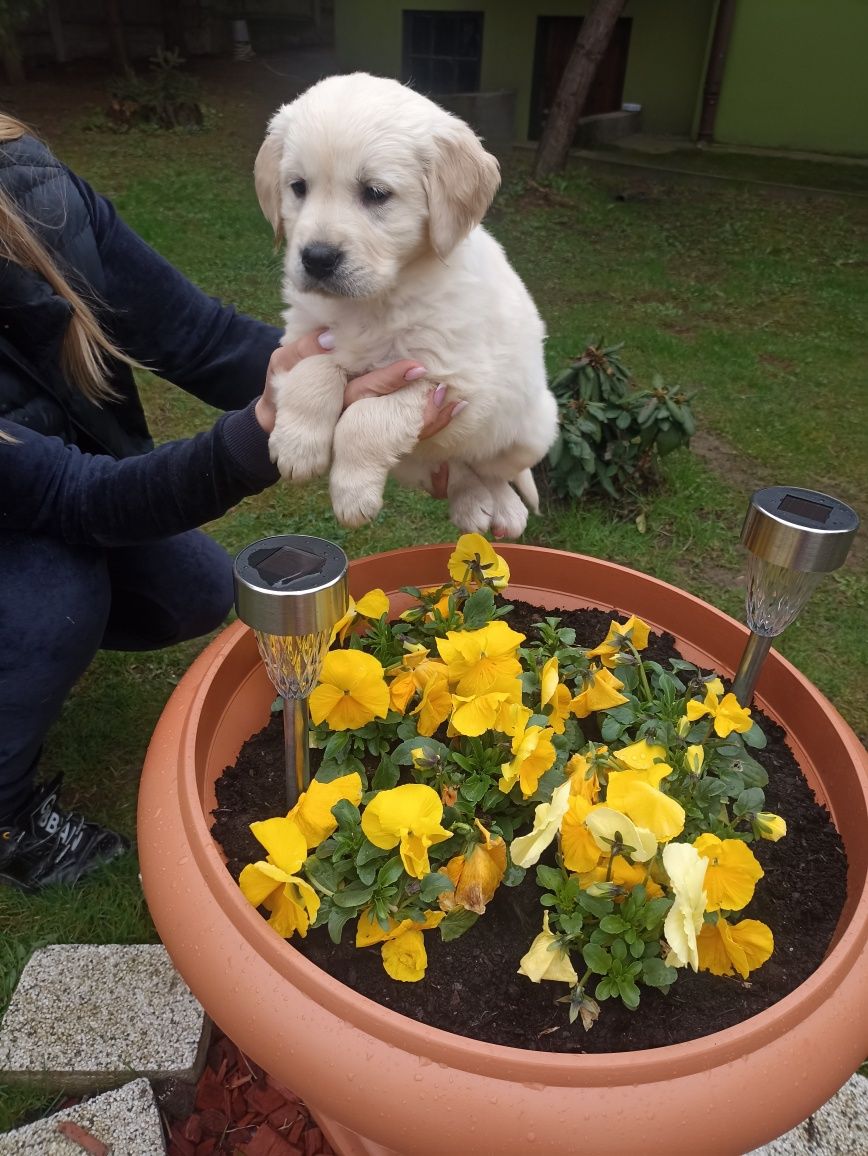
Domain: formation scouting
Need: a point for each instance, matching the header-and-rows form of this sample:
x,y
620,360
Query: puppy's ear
x,y
266,173
461,180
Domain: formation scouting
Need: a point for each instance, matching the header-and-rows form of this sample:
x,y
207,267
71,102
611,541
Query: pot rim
x,y
461,1052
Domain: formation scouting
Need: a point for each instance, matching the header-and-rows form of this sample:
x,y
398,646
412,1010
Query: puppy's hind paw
x,y
355,502
298,456
471,511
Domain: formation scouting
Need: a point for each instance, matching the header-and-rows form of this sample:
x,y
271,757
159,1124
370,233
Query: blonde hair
x,y
86,349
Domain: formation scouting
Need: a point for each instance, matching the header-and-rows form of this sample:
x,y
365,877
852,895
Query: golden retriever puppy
x,y
379,193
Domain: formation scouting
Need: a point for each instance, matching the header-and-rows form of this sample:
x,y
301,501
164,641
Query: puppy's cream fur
x,y
397,186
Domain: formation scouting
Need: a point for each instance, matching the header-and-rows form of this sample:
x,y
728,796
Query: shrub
x,y
612,434
166,98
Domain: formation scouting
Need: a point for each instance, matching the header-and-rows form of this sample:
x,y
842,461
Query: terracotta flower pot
x,y
380,1083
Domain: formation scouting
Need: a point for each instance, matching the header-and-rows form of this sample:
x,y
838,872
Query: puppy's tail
x,y
526,487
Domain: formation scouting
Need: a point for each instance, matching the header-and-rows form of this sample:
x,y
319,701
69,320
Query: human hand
x,y
388,379
285,358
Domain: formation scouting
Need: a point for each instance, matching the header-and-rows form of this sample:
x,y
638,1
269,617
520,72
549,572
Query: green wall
x,y
667,49
796,76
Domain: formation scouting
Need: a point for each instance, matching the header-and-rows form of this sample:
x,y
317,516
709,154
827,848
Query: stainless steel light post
x,y
292,589
794,536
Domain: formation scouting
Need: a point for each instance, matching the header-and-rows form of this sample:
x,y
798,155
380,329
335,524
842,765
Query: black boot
x,y
44,844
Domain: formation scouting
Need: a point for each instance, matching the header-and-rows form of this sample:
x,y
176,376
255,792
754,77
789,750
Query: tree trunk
x,y
117,40
560,128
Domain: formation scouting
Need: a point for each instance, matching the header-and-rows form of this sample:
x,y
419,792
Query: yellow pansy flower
x,y
401,690
694,757
409,815
725,948
526,849
728,714
686,870
555,698
405,957
607,825
474,556
609,648
546,959
312,814
583,776
647,759
475,714
733,872
769,826
647,806
579,848
533,754
274,884
512,715
476,876
372,605
480,660
351,691
435,705
368,930
601,694
623,874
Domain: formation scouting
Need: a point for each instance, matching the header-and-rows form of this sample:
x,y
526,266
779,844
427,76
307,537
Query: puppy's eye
x,y
375,195
299,188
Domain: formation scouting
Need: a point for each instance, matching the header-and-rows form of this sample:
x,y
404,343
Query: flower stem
x,y
643,678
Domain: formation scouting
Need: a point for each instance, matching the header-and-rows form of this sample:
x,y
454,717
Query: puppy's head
x,y
361,176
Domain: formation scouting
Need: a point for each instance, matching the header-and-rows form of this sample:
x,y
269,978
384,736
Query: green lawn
x,y
756,302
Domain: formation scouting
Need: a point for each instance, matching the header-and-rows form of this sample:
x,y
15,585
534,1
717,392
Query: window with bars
x,y
442,50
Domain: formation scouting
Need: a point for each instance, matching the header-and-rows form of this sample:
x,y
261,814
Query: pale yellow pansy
x,y
608,825
546,959
526,849
686,870
473,558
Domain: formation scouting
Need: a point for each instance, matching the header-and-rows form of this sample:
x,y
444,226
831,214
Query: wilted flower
x,y
546,959
405,957
733,872
351,691
728,947
548,817
623,877
686,870
474,559
583,776
369,931
477,875
409,815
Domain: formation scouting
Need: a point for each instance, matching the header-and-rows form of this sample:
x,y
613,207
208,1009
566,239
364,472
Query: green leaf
x,y
337,920
754,737
473,788
479,608
353,896
753,799
433,884
386,775
390,872
513,876
612,924
347,814
368,852
456,923
597,958
656,974
549,878
629,993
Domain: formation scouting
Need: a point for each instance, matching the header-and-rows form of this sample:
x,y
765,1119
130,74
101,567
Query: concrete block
x,y
125,1120
87,1017
839,1128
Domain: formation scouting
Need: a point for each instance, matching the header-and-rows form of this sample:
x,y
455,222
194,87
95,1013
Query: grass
x,y
755,302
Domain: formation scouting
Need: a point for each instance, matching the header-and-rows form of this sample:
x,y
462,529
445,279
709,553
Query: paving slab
x,y
125,1120
90,1017
839,1128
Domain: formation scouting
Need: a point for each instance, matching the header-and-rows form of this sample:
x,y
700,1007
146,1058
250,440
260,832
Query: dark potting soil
x,y
471,986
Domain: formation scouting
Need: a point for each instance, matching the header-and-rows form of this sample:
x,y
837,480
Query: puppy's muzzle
x,y
320,260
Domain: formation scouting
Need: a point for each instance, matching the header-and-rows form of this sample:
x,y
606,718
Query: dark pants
x,y
60,604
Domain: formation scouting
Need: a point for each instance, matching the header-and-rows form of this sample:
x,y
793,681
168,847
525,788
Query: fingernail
x,y
326,340
415,374
498,532
439,395
459,406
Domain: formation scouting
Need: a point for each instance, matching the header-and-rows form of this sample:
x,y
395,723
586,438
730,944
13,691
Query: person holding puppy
x,y
99,545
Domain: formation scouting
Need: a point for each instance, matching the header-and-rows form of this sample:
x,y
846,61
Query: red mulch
x,y
242,1111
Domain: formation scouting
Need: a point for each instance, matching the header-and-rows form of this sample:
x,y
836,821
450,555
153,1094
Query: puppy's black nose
x,y
321,260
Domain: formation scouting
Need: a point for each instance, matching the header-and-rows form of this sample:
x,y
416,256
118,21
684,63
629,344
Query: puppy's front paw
x,y
355,501
299,454
508,513
470,510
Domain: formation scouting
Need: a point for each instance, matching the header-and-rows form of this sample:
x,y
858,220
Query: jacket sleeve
x,y
53,489
164,321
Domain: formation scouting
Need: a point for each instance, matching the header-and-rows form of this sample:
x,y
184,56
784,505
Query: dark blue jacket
x,y
155,316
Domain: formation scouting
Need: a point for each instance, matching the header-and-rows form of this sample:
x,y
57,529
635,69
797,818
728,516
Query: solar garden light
x,y
794,536
292,589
